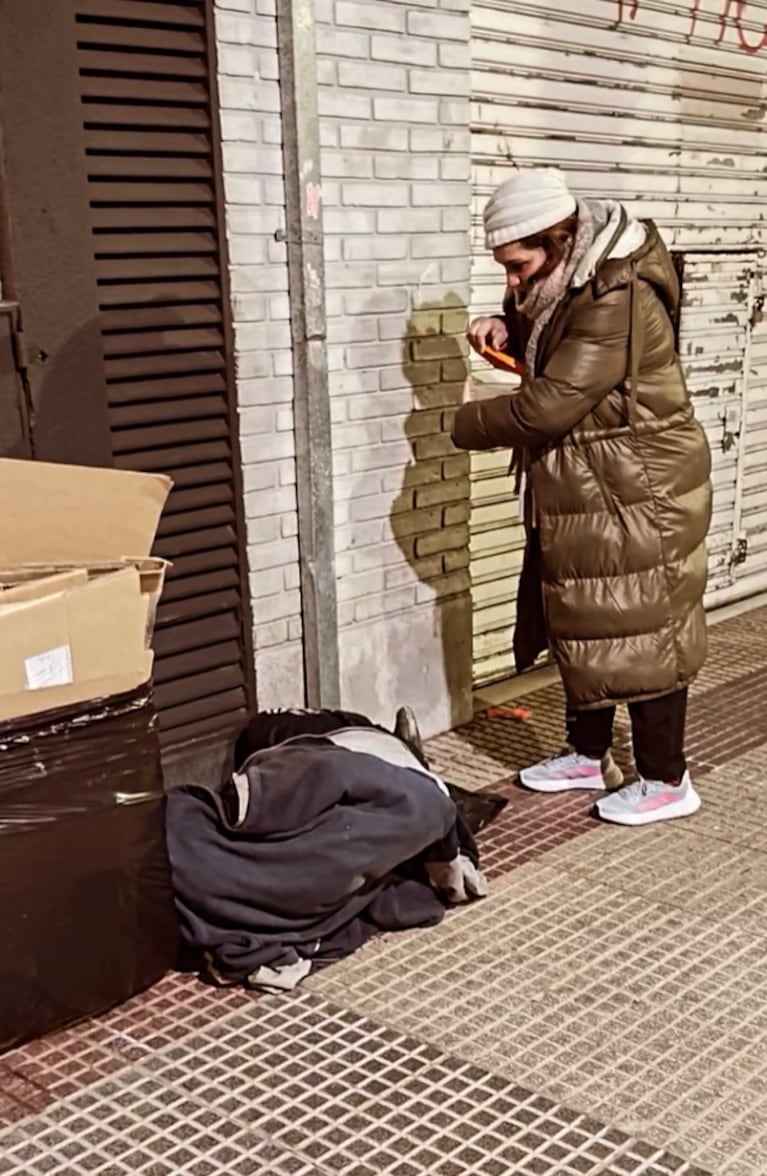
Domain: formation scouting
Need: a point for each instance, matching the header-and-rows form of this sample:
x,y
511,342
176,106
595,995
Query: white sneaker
x,y
570,771
647,801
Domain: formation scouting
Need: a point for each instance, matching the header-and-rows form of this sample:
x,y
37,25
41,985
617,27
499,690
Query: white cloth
x,y
282,979
607,215
372,741
546,295
530,201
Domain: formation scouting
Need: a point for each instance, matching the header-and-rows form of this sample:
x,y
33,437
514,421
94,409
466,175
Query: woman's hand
x,y
488,332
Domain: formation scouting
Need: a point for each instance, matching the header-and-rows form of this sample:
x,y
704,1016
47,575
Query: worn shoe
x,y
570,771
406,729
647,801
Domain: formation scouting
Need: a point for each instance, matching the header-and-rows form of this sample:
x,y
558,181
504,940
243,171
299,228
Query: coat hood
x,y
617,236
638,250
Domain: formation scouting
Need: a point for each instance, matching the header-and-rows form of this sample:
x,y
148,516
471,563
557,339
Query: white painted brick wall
x,y
254,189
394,110
394,107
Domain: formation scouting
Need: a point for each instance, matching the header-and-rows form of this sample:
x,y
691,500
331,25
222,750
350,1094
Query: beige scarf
x,y
545,296
539,306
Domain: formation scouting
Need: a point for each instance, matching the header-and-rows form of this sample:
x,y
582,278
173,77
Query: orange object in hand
x,y
499,359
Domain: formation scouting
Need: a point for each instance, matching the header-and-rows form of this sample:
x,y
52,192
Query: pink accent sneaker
x,y
570,771
648,801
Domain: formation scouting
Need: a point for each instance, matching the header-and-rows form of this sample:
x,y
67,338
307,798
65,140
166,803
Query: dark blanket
x,y
309,849
268,728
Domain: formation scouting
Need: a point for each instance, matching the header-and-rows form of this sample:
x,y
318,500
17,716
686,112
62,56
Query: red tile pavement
x,y
42,1072
726,719
530,825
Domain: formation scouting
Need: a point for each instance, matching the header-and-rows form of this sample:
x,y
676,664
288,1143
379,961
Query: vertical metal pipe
x,y
306,271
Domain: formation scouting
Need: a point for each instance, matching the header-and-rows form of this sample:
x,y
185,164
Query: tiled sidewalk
x,y
604,1011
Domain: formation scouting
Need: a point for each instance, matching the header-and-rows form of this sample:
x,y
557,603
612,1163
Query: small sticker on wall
x,y
313,201
52,668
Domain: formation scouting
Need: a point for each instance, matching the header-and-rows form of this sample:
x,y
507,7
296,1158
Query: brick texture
x,y
254,188
393,98
397,223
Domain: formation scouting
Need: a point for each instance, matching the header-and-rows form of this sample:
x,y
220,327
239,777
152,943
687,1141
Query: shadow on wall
x,y
430,516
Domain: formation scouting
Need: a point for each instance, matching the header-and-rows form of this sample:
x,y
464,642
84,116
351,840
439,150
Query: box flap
x,y
75,514
34,702
26,589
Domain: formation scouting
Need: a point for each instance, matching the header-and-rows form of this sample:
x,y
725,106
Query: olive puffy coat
x,y
618,500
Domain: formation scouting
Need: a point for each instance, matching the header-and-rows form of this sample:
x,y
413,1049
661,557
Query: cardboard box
x,y
78,587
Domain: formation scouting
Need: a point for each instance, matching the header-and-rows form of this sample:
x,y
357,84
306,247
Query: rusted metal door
x,y
136,80
148,121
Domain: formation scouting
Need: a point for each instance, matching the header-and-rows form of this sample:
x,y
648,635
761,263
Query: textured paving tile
x,y
487,750
603,1012
38,1074
677,865
633,1010
531,825
735,801
338,1093
736,646
730,720
138,1125
175,1008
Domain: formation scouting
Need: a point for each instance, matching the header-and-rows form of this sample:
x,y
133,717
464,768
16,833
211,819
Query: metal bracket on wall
x,y
306,271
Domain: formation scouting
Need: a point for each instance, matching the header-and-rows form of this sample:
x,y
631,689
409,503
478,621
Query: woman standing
x,y
614,471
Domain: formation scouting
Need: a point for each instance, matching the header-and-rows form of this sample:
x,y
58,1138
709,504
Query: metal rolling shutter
x,y
751,504
712,345
655,104
146,106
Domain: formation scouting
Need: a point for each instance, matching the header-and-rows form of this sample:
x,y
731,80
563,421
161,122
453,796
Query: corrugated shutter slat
x,y
142,12
120,244
105,114
138,318
181,459
200,661
143,293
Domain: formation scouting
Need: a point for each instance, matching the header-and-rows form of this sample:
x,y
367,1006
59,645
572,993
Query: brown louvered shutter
x,y
147,118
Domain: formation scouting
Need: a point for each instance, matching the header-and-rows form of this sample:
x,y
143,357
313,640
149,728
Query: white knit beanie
x,y
529,202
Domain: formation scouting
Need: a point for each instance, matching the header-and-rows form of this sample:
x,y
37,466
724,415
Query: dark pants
x,y
658,734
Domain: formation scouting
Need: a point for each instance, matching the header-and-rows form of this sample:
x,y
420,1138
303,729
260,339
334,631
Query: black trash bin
x,y
86,905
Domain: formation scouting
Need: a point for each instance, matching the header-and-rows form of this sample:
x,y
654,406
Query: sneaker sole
x,y
586,784
686,808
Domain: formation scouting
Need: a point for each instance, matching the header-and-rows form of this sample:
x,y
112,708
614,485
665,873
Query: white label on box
x,y
52,668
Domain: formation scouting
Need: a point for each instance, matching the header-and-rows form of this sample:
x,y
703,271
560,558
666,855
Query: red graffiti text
x,y
733,14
